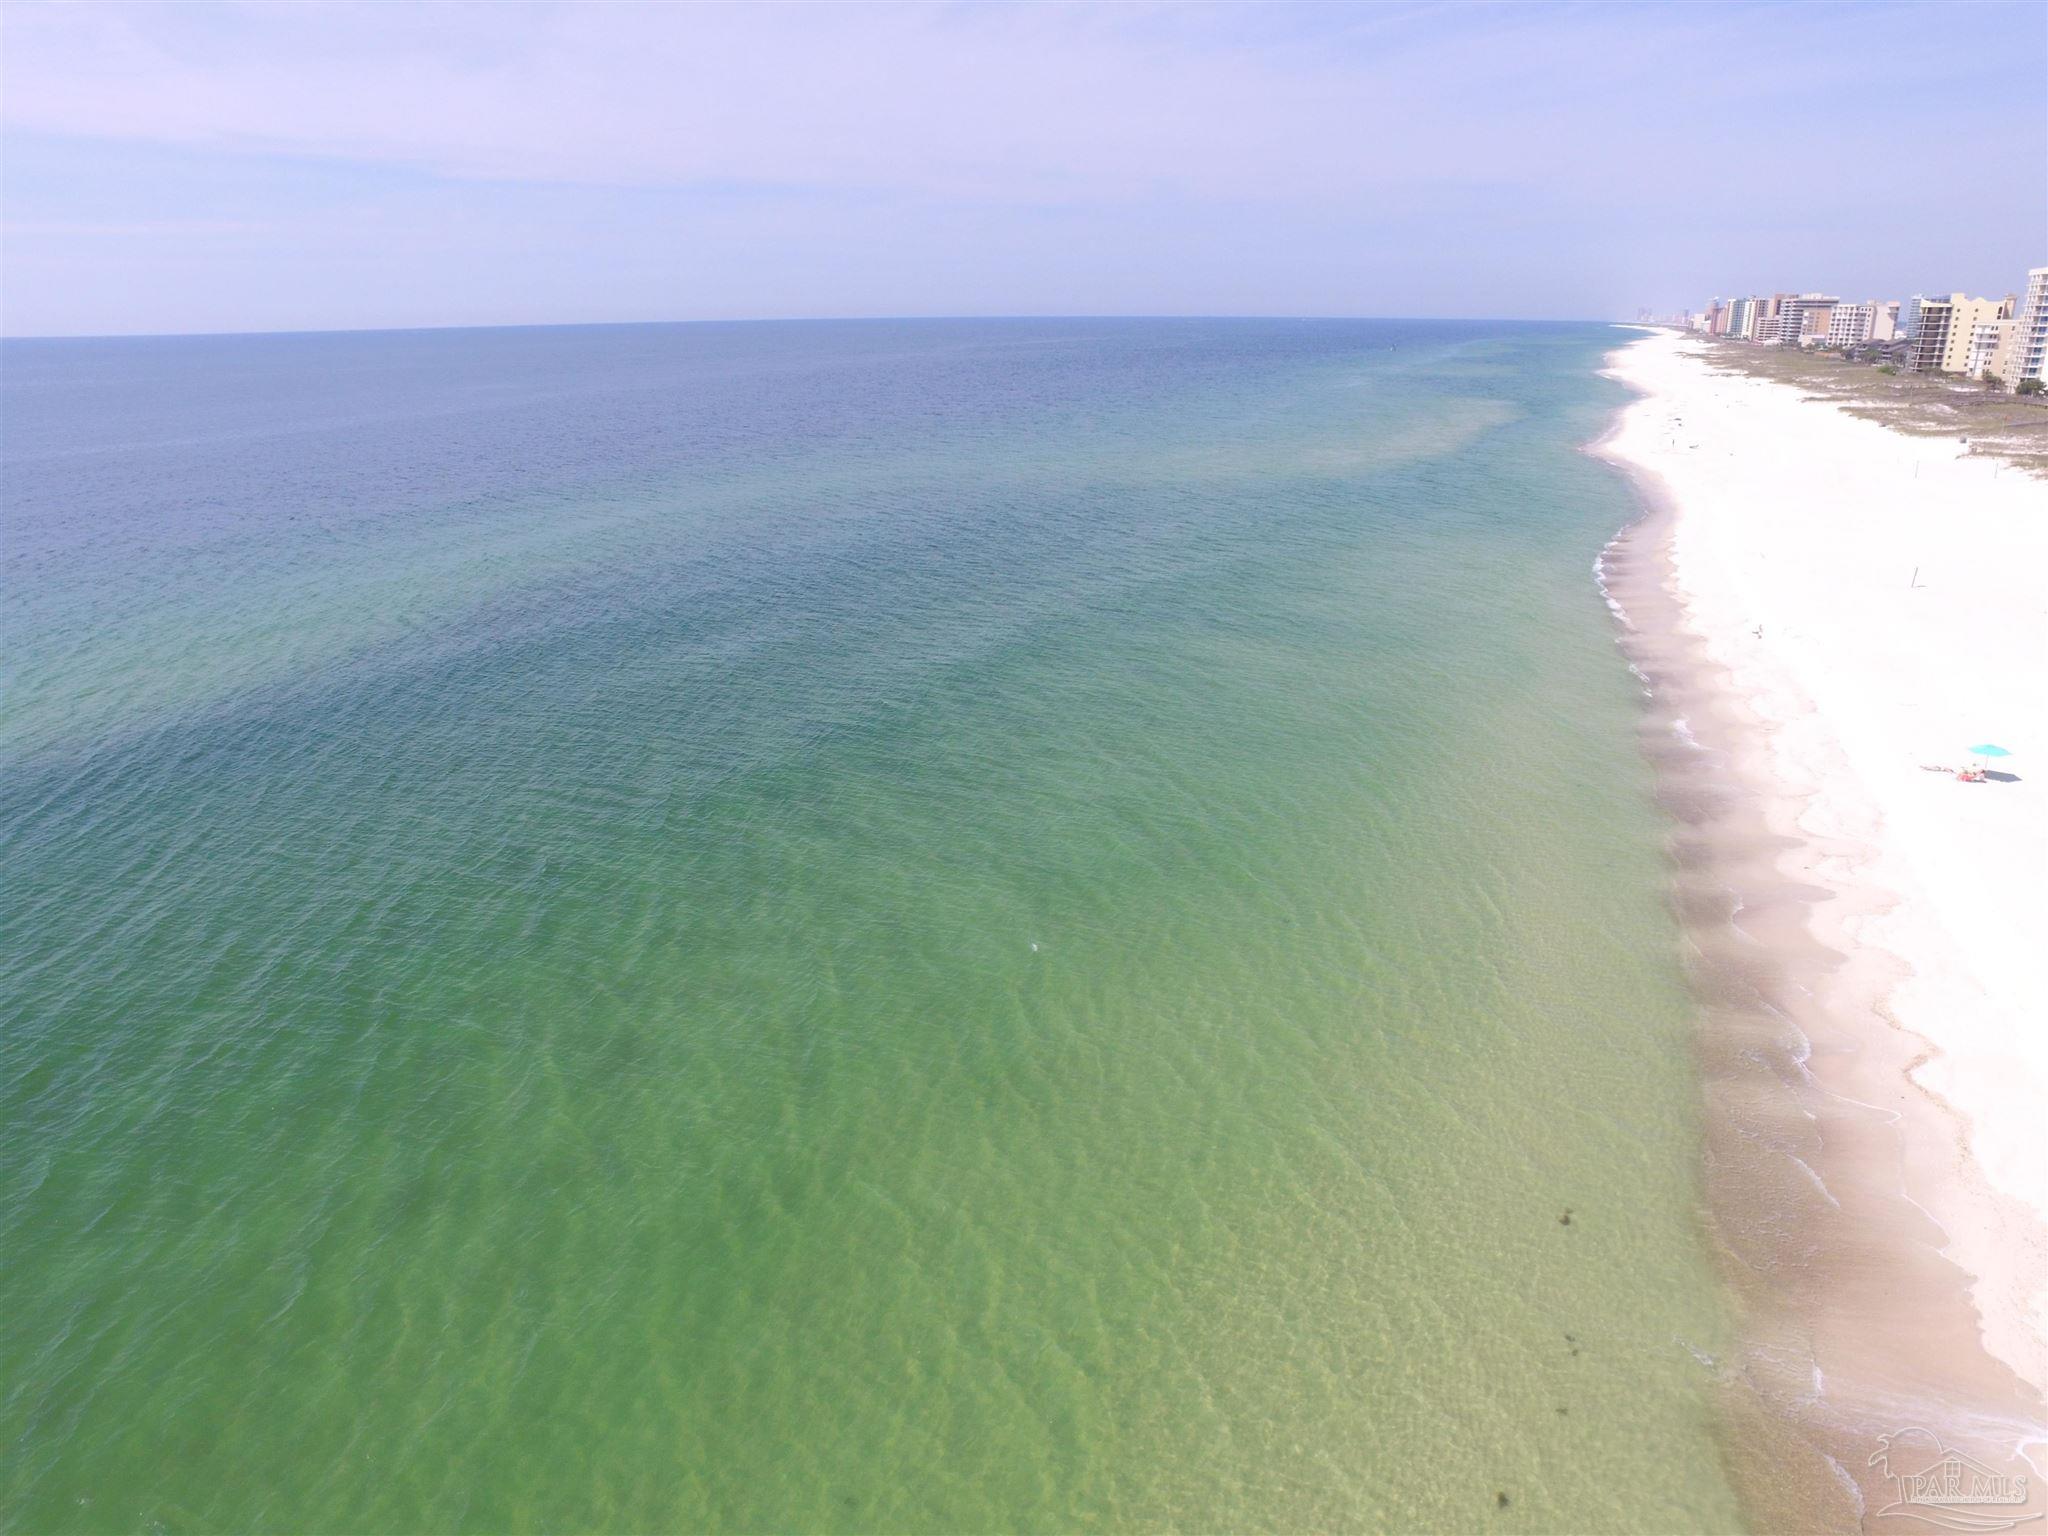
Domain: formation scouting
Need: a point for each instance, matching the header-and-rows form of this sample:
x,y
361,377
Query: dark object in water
x,y
1500,1501
1566,1219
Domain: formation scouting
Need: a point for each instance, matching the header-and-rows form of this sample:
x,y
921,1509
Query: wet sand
x,y
1835,1178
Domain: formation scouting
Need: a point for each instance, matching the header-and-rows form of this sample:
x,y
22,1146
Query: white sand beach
x,y
1879,604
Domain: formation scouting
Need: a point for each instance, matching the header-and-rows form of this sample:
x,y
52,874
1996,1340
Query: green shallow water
x,y
935,927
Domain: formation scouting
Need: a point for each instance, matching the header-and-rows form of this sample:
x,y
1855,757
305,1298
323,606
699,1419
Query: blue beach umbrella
x,y
1988,750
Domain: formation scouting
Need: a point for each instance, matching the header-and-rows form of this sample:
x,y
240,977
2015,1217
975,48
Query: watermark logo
x,y
1947,1488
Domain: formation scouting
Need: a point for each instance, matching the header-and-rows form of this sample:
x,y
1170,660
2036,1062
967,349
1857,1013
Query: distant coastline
x,y
1856,926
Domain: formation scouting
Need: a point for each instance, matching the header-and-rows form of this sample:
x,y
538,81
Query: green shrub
x,y
2031,387
1886,368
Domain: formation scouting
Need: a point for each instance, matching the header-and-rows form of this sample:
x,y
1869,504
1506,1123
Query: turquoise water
x,y
915,927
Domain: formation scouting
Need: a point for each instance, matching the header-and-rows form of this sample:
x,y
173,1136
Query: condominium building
x,y
1853,325
1928,339
1944,330
1765,327
1793,312
1987,340
1849,325
2025,355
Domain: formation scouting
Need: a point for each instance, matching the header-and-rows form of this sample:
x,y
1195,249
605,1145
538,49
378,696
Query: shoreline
x,y
1866,1177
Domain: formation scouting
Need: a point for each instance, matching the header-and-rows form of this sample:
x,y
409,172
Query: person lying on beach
x,y
1966,774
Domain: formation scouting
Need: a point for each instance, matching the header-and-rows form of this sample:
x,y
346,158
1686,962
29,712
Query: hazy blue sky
x,y
217,167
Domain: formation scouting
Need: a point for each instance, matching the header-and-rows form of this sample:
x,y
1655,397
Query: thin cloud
x,y
390,164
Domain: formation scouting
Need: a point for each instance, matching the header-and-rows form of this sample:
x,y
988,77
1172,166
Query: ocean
x,y
872,926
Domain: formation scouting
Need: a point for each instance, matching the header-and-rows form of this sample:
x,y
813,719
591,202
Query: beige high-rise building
x,y
1987,341
1945,330
1804,317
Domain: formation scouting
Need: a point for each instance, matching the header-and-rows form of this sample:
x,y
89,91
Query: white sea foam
x,y
1848,1484
1606,592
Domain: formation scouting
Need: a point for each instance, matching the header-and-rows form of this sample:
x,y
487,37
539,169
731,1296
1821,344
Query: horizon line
x,y
563,325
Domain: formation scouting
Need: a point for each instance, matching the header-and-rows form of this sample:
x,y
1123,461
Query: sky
x,y
218,167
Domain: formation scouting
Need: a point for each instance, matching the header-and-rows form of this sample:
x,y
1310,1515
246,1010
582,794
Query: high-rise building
x,y
2025,355
1928,339
1987,341
1850,325
1793,312
1943,331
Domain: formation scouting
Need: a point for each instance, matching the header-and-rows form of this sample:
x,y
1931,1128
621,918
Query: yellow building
x,y
1946,327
